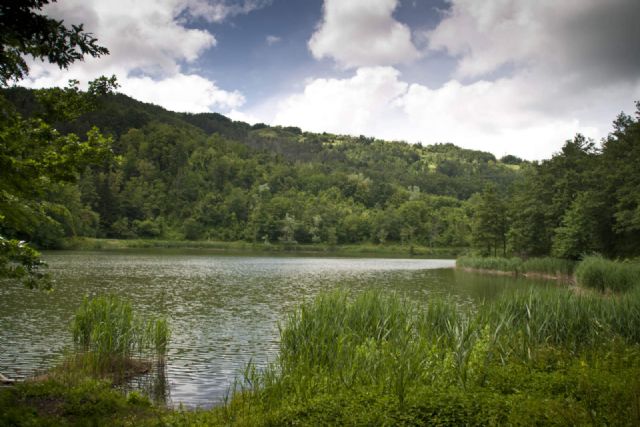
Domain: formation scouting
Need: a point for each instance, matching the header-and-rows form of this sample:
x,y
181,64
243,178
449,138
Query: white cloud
x,y
271,40
219,10
588,40
148,42
506,116
142,35
351,105
188,93
565,67
358,33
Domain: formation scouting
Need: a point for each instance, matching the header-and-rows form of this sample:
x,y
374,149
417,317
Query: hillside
x,y
204,176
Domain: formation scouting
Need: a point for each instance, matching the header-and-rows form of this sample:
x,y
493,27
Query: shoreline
x,y
261,249
569,279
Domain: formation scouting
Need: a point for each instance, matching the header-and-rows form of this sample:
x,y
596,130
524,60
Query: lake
x,y
223,310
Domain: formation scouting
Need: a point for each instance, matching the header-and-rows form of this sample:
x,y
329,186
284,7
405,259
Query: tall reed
x,y
110,337
509,265
547,265
602,274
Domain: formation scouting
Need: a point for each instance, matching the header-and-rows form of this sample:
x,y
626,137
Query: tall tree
x,y
490,223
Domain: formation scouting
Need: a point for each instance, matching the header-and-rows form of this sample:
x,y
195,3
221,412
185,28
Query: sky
x,y
506,76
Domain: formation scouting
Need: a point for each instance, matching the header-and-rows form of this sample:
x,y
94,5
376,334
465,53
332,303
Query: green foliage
x,y
548,265
71,401
490,223
205,177
556,267
547,357
605,275
578,232
108,335
19,261
25,31
490,263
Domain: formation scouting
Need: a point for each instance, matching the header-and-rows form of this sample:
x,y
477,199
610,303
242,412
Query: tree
x,y
26,32
578,233
34,155
489,232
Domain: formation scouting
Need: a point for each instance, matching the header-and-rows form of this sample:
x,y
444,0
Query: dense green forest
x,y
204,176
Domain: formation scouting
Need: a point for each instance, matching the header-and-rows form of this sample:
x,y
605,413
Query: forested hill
x,y
203,176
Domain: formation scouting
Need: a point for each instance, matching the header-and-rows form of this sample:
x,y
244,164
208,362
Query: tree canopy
x,y
25,31
34,157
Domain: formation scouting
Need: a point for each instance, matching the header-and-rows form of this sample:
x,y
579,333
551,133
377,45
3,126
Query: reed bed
x,y
374,358
556,267
549,266
599,273
110,339
509,265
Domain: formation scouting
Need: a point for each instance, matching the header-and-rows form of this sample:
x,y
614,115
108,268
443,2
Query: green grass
x,y
547,266
78,401
602,274
547,357
509,265
110,339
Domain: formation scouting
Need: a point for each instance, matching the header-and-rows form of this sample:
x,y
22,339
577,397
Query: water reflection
x,y
224,311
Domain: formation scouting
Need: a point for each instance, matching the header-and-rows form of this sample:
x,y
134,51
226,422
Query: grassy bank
x,y
374,250
546,267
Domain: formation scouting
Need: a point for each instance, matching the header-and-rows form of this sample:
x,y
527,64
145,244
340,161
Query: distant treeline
x,y
204,176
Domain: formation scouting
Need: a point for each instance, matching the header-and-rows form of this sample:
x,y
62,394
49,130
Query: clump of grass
x,y
548,265
509,265
599,273
111,339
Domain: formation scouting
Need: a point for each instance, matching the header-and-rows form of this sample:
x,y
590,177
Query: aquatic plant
x,y
375,358
110,338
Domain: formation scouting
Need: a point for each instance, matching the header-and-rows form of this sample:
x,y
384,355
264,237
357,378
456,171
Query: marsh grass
x,y
547,266
509,265
110,339
599,273
375,358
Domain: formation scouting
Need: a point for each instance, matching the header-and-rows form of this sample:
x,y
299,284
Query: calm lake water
x,y
223,310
